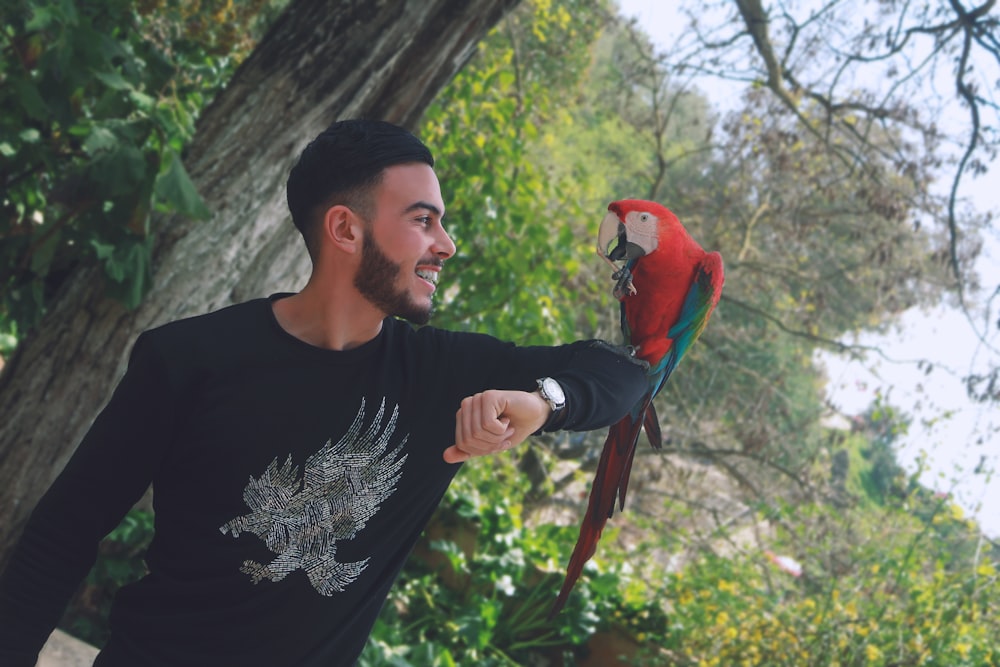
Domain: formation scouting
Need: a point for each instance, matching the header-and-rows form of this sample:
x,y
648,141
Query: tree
x,y
515,221
877,68
99,101
317,63
921,79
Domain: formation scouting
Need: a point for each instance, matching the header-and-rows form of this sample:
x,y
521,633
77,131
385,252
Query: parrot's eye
x,y
644,217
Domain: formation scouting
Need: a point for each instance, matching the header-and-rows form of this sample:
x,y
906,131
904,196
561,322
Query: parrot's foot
x,y
624,286
626,351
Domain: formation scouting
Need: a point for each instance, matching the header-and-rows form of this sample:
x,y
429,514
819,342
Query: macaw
x,y
668,288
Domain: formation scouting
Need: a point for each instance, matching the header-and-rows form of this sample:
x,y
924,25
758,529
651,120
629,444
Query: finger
x,y
465,430
468,407
455,455
480,432
492,423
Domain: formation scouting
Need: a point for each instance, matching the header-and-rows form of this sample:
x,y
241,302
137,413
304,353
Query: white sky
x,y
950,430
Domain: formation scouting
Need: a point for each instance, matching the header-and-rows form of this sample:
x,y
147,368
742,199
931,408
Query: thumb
x,y
455,455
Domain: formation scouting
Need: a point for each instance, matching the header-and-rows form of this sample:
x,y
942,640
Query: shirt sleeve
x,y
105,477
601,382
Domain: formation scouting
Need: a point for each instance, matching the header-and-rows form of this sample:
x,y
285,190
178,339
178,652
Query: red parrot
x,y
668,288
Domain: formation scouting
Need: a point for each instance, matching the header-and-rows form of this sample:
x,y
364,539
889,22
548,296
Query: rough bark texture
x,y
321,61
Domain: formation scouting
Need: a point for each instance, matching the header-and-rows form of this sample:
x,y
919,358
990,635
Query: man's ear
x,y
343,228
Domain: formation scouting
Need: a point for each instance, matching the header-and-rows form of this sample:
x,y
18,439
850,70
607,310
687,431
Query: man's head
x,y
368,189
342,166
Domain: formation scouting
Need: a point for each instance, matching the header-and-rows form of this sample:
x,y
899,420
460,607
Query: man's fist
x,y
494,421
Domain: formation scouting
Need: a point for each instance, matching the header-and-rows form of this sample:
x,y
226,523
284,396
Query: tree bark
x,y
321,61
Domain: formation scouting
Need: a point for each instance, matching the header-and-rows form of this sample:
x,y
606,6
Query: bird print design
x,y
302,517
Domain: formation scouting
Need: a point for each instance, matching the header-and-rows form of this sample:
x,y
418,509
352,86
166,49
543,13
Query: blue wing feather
x,y
698,304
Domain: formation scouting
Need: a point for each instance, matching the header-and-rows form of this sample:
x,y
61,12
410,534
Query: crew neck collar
x,y
362,350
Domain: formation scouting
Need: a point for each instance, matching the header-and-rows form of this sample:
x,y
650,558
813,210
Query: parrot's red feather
x,y
616,460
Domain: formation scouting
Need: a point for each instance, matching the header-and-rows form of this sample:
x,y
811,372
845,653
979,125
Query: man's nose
x,y
443,247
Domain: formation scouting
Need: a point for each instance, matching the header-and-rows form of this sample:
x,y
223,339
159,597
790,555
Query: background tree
x,y
916,83
316,63
100,102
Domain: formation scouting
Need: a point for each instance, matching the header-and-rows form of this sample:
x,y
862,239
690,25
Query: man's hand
x,y
494,421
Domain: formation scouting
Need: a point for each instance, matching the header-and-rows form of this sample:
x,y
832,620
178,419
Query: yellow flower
x,y
727,586
872,652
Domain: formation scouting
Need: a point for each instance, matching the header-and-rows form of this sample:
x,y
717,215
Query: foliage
x,y
99,100
905,580
637,132
119,562
514,224
887,604
482,582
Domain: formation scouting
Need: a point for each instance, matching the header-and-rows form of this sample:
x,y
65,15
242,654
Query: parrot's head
x,y
632,228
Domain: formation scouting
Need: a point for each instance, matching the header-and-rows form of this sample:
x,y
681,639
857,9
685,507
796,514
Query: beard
x,y
376,280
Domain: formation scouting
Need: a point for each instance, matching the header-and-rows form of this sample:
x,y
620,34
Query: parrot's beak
x,y
612,240
608,233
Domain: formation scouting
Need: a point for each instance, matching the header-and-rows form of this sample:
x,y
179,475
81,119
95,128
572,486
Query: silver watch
x,y
552,392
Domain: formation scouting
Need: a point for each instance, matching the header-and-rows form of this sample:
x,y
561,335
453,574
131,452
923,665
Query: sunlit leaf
x,y
174,186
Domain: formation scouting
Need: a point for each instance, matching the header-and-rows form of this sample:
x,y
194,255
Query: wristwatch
x,y
553,394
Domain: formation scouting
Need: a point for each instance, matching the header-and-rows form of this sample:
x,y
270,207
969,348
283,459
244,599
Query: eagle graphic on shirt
x,y
302,517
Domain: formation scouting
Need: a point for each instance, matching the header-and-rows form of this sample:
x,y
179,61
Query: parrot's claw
x,y
624,286
627,351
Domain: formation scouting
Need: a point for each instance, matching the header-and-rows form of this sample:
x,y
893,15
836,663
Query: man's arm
x,y
600,383
107,474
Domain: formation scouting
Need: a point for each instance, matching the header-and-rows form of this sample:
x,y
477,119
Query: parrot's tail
x,y
610,482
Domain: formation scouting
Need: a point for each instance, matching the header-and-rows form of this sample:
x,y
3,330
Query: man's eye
x,y
424,220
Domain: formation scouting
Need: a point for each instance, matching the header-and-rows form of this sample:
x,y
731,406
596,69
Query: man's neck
x,y
328,320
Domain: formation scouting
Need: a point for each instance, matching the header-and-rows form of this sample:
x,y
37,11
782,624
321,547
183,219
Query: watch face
x,y
553,390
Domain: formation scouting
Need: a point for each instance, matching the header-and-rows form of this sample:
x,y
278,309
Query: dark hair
x,y
343,164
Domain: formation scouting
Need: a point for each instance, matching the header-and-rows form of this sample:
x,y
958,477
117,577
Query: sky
x,y
953,435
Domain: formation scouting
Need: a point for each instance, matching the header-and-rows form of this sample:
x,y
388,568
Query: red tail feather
x,y
609,482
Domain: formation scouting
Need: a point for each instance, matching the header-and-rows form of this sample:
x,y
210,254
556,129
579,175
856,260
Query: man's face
x,y
404,245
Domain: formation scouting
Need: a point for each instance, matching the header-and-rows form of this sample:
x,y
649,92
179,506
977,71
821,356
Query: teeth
x,y
430,276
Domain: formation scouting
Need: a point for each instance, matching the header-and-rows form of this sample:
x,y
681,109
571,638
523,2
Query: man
x,y
297,444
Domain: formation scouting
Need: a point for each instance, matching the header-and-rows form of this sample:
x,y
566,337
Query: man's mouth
x,y
428,275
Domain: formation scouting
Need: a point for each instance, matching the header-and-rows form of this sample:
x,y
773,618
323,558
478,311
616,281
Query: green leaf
x,y
120,171
104,250
42,257
30,99
41,18
128,265
507,79
30,136
100,139
174,187
113,80
142,100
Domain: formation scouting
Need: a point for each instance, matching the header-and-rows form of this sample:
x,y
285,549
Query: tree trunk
x,y
320,61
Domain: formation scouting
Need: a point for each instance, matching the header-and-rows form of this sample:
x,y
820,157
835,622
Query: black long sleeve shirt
x,y
290,484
